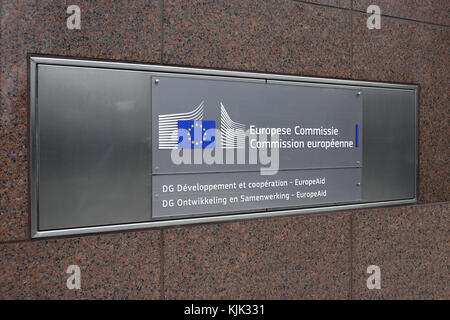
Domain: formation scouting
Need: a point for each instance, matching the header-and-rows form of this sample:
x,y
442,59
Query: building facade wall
x,y
302,257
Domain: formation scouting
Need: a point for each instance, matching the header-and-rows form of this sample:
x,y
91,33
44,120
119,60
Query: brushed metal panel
x,y
389,155
93,147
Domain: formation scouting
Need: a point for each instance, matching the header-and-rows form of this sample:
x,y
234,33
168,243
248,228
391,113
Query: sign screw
x,y
156,81
358,184
358,162
358,93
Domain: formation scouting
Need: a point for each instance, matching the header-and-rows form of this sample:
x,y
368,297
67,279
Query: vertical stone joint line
x,y
351,258
352,67
162,290
162,8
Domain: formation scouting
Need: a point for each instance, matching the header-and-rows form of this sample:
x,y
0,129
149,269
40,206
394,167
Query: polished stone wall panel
x,y
433,11
410,245
113,266
303,257
266,36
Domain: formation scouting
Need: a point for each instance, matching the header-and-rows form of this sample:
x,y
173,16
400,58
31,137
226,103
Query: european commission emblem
x,y
196,134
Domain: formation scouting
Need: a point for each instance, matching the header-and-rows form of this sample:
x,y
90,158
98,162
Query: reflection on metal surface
x,y
93,147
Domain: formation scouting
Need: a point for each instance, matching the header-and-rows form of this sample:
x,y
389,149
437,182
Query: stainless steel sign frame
x,y
100,135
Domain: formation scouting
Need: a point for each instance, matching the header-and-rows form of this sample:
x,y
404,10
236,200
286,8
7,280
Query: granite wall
x,y
321,256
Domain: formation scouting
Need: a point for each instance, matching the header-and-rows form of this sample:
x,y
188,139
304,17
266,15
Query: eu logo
x,y
196,134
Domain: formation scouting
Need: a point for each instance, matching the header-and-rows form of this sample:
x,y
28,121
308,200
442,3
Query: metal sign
x,y
119,146
220,132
